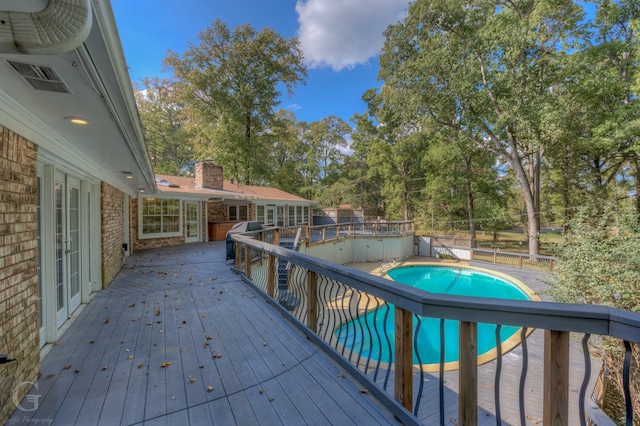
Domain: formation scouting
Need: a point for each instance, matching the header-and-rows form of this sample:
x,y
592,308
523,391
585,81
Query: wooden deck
x,y
178,339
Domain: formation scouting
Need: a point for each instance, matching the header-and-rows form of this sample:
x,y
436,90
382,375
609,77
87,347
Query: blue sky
x,y
340,40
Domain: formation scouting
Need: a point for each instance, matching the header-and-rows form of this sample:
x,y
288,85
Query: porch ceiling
x,y
99,90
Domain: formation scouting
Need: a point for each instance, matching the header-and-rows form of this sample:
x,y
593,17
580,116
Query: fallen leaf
x,y
205,345
192,379
166,364
213,278
209,388
216,355
91,342
132,305
130,357
106,320
141,365
77,370
157,310
190,277
271,399
126,350
264,343
66,367
261,391
105,367
363,390
59,342
209,337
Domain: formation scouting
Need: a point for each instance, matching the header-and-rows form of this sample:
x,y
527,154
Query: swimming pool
x,y
372,334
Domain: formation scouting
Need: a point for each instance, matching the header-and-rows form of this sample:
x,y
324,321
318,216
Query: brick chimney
x,y
208,175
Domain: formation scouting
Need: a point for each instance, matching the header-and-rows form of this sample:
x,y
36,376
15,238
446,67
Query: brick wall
x,y
19,335
209,175
112,223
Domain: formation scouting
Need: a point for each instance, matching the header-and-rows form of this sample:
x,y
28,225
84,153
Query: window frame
x,y
161,215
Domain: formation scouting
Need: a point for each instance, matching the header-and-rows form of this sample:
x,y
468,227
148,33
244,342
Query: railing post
x,y
307,234
312,302
550,265
495,257
324,233
238,246
520,260
276,237
247,261
468,374
271,275
556,378
404,358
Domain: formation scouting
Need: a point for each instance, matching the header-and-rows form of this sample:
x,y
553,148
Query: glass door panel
x,y
73,243
192,223
59,238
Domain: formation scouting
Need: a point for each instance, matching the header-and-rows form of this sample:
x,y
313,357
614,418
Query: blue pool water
x,y
373,333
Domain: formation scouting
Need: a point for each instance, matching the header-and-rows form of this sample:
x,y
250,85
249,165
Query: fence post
x,y
247,261
495,256
312,302
556,378
550,265
403,382
276,237
468,374
238,246
271,275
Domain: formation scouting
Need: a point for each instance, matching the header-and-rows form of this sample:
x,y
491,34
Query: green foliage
x,y
165,126
599,263
231,80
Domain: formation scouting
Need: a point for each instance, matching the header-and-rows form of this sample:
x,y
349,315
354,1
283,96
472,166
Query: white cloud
x,y
343,33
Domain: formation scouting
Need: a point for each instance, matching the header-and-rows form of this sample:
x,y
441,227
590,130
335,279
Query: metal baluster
x,y
626,367
416,350
390,350
441,384
496,387
523,374
585,380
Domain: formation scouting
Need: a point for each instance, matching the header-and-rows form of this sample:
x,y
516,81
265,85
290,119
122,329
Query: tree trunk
x,y
467,187
533,222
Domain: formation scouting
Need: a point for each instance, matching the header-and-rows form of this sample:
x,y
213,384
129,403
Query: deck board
x,y
184,305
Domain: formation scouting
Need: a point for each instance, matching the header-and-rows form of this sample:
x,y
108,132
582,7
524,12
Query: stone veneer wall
x,y
19,319
216,211
112,222
149,243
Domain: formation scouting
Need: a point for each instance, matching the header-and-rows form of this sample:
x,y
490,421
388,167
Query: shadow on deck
x,y
179,339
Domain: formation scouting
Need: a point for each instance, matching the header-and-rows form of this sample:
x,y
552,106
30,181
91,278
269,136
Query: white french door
x,y
270,215
192,222
67,245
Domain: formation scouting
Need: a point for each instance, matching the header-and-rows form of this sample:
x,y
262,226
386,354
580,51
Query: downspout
x,y
60,27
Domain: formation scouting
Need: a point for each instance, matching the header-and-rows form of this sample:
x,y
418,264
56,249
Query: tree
x,y
165,126
486,70
325,145
233,81
599,263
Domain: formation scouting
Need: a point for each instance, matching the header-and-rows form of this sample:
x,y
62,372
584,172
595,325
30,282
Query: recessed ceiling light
x,y
78,120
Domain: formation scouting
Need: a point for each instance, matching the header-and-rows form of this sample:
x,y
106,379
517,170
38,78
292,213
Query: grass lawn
x,y
514,241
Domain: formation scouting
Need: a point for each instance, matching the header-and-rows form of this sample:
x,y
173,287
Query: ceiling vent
x,y
40,77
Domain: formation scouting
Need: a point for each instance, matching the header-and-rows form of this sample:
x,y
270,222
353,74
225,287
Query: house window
x,y
298,215
240,213
260,214
160,217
